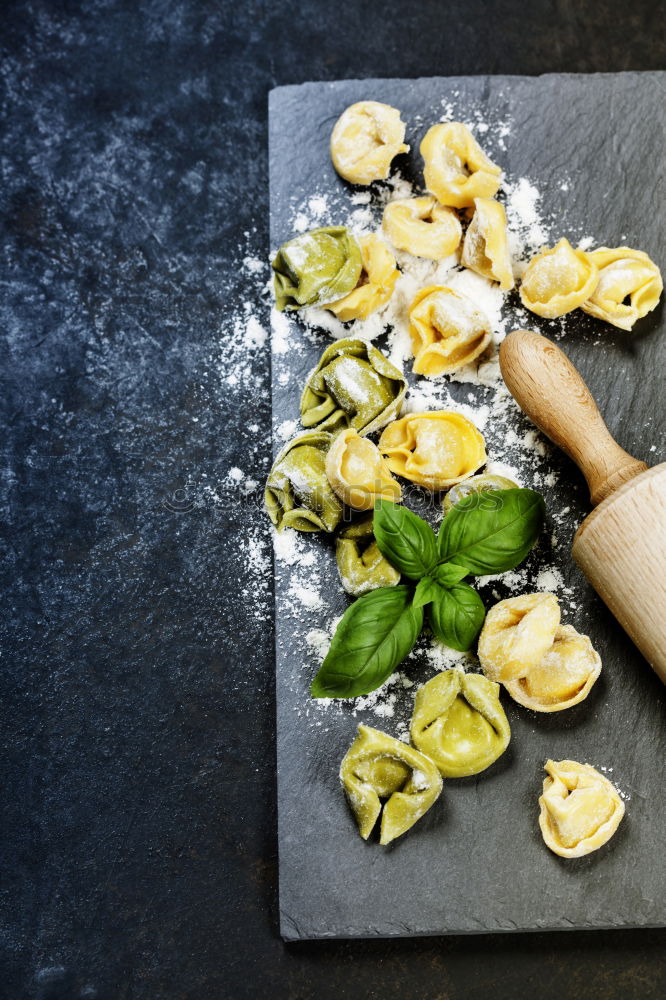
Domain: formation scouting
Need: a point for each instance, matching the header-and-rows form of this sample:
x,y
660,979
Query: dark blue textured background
x,y
138,827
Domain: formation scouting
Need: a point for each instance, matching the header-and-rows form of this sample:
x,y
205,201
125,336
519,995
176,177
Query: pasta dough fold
x,y
456,169
435,449
361,565
580,809
365,139
353,385
358,473
558,280
459,723
377,767
316,268
422,227
375,285
516,635
486,246
562,678
447,330
298,494
623,274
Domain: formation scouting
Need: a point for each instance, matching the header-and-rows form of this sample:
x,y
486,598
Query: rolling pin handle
x,y
552,393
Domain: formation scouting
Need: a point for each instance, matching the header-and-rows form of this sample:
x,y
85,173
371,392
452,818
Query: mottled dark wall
x,y
138,827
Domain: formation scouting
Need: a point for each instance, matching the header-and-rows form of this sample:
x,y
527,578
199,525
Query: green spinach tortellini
x,y
377,767
353,385
361,565
459,723
316,268
298,494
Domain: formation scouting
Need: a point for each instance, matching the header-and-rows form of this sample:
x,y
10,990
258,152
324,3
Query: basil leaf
x,y
375,634
491,531
449,573
456,616
404,539
426,591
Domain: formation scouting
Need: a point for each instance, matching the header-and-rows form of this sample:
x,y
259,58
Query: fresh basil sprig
x,y
375,634
491,531
456,615
406,540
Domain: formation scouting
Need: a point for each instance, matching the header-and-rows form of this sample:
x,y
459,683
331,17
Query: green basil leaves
x,y
484,533
375,634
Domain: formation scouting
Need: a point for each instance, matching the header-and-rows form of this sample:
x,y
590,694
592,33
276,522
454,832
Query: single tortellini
x,y
486,246
423,227
562,678
316,268
459,723
486,481
365,139
517,634
580,809
353,385
375,285
358,473
377,767
436,449
623,274
298,494
456,169
558,280
447,330
361,565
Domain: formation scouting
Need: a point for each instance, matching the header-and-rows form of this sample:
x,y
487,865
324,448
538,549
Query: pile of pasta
x,y
357,444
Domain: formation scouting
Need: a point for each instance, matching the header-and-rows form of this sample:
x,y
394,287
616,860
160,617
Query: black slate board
x,y
477,862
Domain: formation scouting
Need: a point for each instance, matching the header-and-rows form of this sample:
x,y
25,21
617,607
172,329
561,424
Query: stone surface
x,y
138,834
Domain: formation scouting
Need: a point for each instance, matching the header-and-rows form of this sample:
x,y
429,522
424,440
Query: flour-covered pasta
x,y
580,809
316,268
558,280
365,139
375,284
459,723
383,775
358,473
456,169
353,385
423,227
629,286
486,246
298,494
562,678
447,330
361,565
517,634
435,449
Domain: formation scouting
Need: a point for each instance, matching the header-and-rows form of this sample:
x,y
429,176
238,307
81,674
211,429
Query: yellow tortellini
x,y
316,268
459,723
486,246
447,330
365,139
623,274
516,635
298,494
353,385
580,809
558,280
377,767
361,565
562,678
456,169
423,227
358,473
375,285
435,449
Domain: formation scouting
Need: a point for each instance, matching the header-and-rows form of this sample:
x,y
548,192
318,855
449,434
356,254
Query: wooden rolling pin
x,y
621,546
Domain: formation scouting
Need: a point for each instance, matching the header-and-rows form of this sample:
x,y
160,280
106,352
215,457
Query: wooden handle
x,y
552,393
